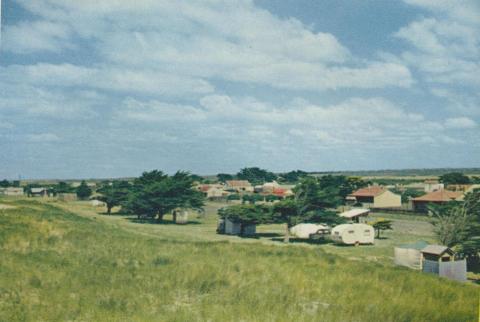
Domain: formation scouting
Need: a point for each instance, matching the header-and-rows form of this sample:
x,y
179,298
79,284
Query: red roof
x,y
439,196
279,191
204,188
371,191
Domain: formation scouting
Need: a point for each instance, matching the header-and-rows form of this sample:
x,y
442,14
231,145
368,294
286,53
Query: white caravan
x,y
305,230
353,234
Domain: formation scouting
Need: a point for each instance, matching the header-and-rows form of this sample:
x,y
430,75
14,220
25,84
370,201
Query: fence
x,y
455,270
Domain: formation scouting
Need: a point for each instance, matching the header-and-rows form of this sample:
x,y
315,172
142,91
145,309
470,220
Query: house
x,y
269,187
375,197
438,259
238,186
356,215
432,185
436,197
11,191
213,191
282,192
39,192
353,234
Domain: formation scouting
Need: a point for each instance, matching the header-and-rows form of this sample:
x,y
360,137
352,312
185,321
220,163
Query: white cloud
x,y
463,10
373,123
446,48
460,123
104,78
29,37
43,138
155,111
233,41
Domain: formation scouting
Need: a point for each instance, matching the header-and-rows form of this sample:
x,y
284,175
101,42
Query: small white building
x,y
432,185
353,234
11,191
180,216
356,215
39,192
97,203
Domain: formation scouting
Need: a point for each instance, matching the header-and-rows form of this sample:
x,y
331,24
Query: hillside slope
x,y
58,266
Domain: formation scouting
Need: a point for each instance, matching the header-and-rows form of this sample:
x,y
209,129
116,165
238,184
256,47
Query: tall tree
x,y
450,223
63,187
113,194
156,194
407,194
222,177
83,191
293,176
256,175
454,178
382,225
457,224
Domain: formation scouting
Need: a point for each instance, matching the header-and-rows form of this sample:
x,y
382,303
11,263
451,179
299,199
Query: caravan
x,y
353,234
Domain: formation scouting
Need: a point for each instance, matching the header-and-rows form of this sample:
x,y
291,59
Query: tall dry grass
x,y
57,266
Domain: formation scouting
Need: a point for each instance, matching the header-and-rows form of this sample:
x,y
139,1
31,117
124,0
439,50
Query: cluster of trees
x,y
455,178
292,176
457,224
314,200
257,176
153,194
5,183
408,194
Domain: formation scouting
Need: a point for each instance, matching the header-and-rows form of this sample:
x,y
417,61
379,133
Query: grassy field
x,y
65,262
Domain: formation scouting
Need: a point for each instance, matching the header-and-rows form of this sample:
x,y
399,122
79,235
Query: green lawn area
x,y
66,262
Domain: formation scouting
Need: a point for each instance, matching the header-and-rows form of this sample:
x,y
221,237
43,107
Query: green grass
x,y
60,266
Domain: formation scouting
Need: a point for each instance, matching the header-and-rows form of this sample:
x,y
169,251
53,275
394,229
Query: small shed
x,y
180,216
440,260
236,228
357,215
438,253
410,255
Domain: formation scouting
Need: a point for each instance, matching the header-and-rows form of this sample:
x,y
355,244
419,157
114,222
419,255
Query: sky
x,y
99,89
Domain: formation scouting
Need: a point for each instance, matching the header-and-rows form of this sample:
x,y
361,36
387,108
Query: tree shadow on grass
x,y
295,240
160,222
119,214
267,235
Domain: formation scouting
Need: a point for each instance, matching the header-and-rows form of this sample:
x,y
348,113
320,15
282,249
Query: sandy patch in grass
x,y
2,206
